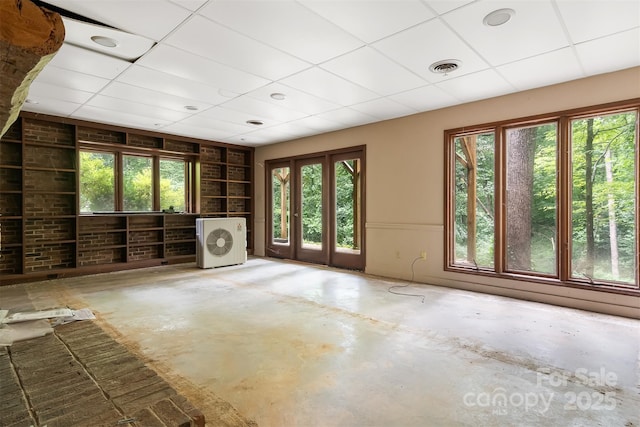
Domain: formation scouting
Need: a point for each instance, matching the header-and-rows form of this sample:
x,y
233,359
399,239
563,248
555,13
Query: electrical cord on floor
x,y
390,290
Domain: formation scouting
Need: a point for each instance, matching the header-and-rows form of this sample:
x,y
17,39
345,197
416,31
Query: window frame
x,y
562,277
120,152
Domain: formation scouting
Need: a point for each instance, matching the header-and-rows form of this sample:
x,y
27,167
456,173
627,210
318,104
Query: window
x,y
97,181
137,176
114,181
551,199
173,184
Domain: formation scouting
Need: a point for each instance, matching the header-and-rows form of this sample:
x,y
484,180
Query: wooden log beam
x,y
29,38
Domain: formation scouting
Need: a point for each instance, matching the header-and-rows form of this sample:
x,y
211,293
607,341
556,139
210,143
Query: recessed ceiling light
x,y
104,41
278,96
255,122
191,107
445,66
498,17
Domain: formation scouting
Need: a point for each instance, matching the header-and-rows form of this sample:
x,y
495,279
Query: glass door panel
x,y
279,225
310,211
347,227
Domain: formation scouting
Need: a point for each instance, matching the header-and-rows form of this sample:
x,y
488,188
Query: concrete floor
x,y
289,344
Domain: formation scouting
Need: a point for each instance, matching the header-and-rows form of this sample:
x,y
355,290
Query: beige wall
x,y
398,222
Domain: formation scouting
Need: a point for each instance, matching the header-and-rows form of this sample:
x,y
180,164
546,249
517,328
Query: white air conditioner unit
x,y
221,241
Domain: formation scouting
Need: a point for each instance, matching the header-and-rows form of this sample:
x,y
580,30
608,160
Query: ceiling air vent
x,y
445,67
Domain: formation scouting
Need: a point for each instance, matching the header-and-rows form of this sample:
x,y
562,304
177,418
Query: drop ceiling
x,y
205,68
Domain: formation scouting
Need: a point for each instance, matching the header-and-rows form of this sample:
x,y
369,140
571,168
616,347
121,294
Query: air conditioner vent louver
x,y
219,242
446,66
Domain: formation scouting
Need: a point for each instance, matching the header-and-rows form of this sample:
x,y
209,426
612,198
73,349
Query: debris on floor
x,y
20,326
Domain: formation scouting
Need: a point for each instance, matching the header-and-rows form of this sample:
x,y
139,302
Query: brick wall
x,y
38,230
40,204
48,257
210,154
100,135
10,204
213,188
10,231
144,141
208,171
151,236
10,179
10,260
213,205
49,181
10,153
238,205
102,256
237,157
180,234
49,157
139,253
92,241
49,132
237,173
178,249
180,146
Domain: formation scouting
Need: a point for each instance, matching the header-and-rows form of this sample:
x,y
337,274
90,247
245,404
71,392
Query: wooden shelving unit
x,y
42,232
227,184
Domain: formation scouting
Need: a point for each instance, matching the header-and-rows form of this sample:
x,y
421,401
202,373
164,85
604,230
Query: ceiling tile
x,y
85,61
425,98
39,90
472,87
189,66
532,72
234,49
523,36
151,97
237,119
127,46
383,109
611,53
253,108
328,86
134,16
593,19
172,85
284,24
208,121
118,118
52,106
419,47
318,124
190,4
372,70
444,6
70,79
371,20
115,104
294,99
347,116
193,131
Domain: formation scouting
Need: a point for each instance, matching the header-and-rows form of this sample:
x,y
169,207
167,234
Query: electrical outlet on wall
x,y
423,255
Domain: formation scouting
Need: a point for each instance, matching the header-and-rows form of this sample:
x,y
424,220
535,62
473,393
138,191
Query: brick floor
x,y
80,376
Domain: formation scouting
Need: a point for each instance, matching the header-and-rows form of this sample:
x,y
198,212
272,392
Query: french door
x,y
316,208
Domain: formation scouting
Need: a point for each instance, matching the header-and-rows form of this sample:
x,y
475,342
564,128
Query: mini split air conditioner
x,y
221,241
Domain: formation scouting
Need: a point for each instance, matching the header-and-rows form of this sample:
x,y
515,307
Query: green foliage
x,y
138,184
613,199
97,181
312,203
